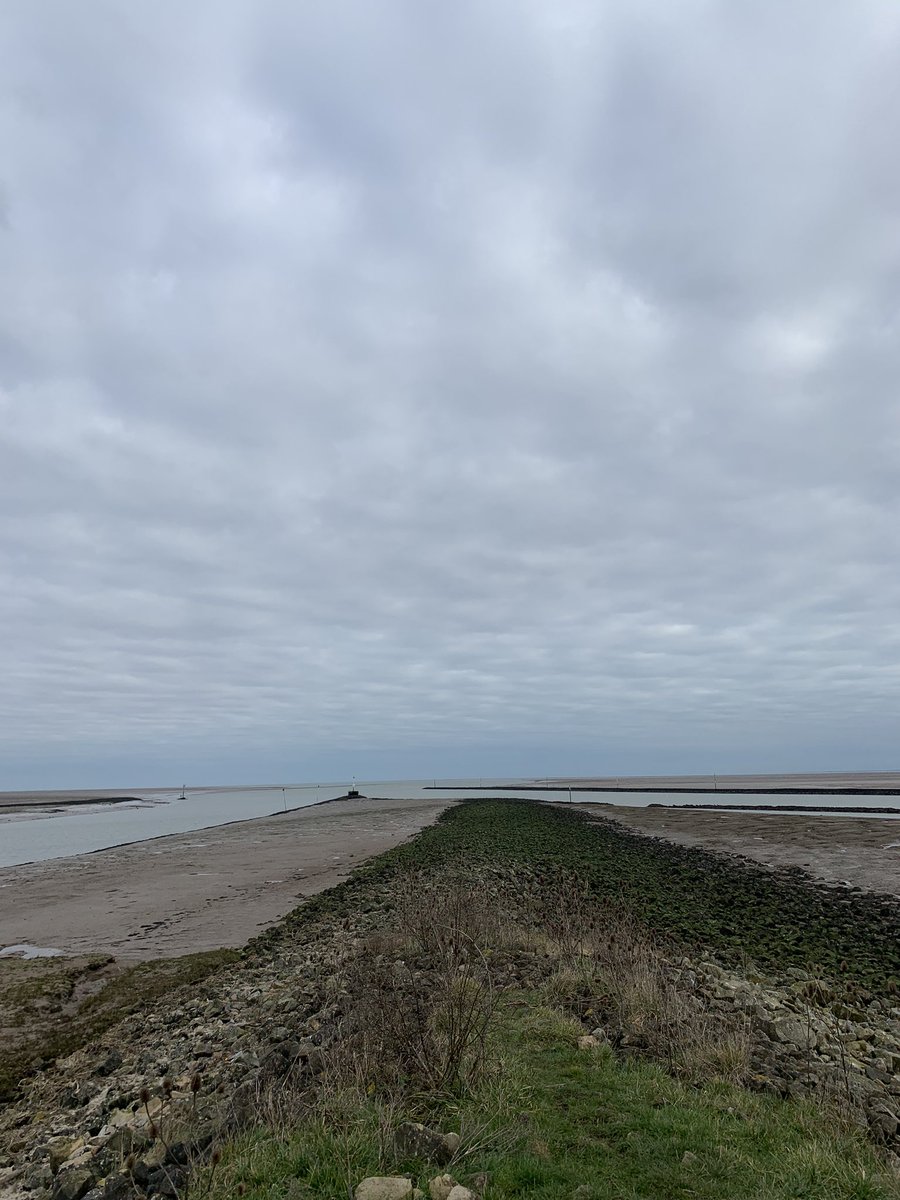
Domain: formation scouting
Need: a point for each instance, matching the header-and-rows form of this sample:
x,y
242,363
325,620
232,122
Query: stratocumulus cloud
x,y
478,386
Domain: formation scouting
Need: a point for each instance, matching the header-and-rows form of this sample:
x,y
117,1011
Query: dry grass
x,y
423,996
611,972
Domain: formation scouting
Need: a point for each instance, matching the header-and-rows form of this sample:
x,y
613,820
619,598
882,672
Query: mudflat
x,y
203,890
862,851
831,781
20,801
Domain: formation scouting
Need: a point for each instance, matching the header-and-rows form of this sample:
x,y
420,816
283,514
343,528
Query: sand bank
x,y
863,851
23,801
202,890
840,782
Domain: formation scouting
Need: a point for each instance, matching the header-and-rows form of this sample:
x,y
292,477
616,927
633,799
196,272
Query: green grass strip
x,y
555,1119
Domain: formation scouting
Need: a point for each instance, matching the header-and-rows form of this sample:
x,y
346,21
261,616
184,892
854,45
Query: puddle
x,y
26,951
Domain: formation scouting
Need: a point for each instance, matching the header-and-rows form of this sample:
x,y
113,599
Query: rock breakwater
x,y
135,1110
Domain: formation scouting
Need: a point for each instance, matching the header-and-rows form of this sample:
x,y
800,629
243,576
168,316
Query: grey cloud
x,y
482,387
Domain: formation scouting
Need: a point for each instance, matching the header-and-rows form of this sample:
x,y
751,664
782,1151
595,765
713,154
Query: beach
x,y
861,851
220,886
203,890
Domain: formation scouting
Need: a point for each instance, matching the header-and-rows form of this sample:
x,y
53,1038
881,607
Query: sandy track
x,y
201,890
863,851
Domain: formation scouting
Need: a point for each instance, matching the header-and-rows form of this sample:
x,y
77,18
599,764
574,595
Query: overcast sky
x,y
486,387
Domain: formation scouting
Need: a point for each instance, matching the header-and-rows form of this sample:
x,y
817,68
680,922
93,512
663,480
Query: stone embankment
x,y
133,1112
806,1041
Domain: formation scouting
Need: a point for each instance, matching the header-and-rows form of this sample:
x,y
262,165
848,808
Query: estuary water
x,y
50,831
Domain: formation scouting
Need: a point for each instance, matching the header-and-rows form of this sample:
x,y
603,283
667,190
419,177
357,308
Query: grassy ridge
x,y
702,899
544,1118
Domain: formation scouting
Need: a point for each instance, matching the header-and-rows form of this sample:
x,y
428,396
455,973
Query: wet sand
x,y
851,782
22,801
862,851
203,890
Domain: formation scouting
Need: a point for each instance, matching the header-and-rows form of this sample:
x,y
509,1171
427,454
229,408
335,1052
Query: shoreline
x,y
667,790
218,886
206,889
25,805
796,808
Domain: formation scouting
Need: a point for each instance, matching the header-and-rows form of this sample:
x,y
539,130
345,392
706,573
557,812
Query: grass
x,y
551,1119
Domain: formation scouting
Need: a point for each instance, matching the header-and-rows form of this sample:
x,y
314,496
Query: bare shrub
x,y
449,920
568,914
422,1021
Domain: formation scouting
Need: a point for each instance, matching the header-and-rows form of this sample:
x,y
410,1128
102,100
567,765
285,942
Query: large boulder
x,y
386,1187
414,1140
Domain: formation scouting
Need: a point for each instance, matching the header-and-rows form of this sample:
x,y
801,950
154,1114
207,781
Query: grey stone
x,y
111,1063
124,1140
118,1187
167,1182
40,1177
58,1150
385,1187
72,1185
883,1121
414,1140
441,1186
792,1032
451,1141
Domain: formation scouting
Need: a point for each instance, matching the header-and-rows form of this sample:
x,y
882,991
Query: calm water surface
x,y
44,833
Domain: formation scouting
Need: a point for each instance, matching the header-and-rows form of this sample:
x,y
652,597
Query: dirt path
x,y
202,890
